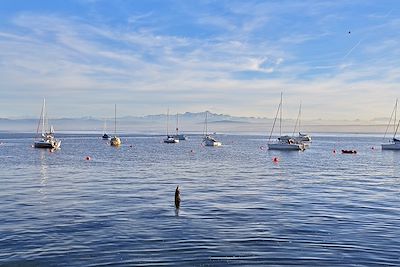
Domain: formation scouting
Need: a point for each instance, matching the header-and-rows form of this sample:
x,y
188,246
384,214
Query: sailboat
x,y
394,143
105,135
115,141
301,137
177,135
47,139
283,142
208,140
170,139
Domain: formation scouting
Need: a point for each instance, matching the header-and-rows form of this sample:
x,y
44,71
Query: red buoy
x,y
87,158
275,159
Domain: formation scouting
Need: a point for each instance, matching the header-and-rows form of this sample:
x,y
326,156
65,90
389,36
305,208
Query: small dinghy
x,y
349,151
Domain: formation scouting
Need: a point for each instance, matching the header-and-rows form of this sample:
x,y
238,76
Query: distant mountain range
x,y
192,122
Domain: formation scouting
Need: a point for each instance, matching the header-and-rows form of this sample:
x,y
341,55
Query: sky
x,y
340,59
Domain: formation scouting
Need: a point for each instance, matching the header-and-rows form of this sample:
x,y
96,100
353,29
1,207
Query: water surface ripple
x,y
238,207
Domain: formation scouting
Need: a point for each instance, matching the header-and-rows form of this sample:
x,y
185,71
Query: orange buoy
x,y
87,158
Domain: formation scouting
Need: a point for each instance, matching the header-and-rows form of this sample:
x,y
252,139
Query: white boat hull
x,y
171,140
50,145
212,143
392,146
180,137
287,147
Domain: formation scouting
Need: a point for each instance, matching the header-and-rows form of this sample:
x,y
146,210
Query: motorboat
x,y
349,151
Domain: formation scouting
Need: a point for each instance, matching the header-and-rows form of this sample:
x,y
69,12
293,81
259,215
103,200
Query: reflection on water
x,y
239,206
43,173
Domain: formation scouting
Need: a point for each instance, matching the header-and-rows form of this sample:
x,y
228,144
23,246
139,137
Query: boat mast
x,y
395,116
276,116
280,119
394,113
397,128
43,116
206,123
177,129
297,120
167,122
115,119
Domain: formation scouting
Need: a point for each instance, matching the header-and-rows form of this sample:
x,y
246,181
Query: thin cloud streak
x,y
237,71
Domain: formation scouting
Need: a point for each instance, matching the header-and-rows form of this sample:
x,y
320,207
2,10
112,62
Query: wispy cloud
x,y
238,63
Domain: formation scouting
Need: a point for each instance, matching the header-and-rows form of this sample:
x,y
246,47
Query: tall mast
x,y
206,123
177,129
280,118
115,119
300,118
167,122
43,115
395,116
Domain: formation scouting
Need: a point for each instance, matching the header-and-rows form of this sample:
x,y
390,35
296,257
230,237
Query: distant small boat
x,y
349,151
178,136
170,139
211,141
208,140
47,139
105,135
115,141
394,143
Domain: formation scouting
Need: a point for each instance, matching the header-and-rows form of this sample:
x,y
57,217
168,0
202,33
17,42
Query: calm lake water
x,y
238,207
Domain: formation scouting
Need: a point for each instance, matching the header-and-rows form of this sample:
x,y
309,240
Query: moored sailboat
x,y
105,135
170,139
283,142
208,140
46,139
179,136
115,141
394,143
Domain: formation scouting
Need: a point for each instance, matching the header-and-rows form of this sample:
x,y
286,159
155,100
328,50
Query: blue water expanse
x,y
238,207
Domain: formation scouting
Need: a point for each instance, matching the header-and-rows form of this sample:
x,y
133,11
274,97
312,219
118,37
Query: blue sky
x,y
339,58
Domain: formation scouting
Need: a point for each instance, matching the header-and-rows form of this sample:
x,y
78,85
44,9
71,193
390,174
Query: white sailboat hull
x,y
391,146
180,137
212,143
47,144
171,140
287,147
